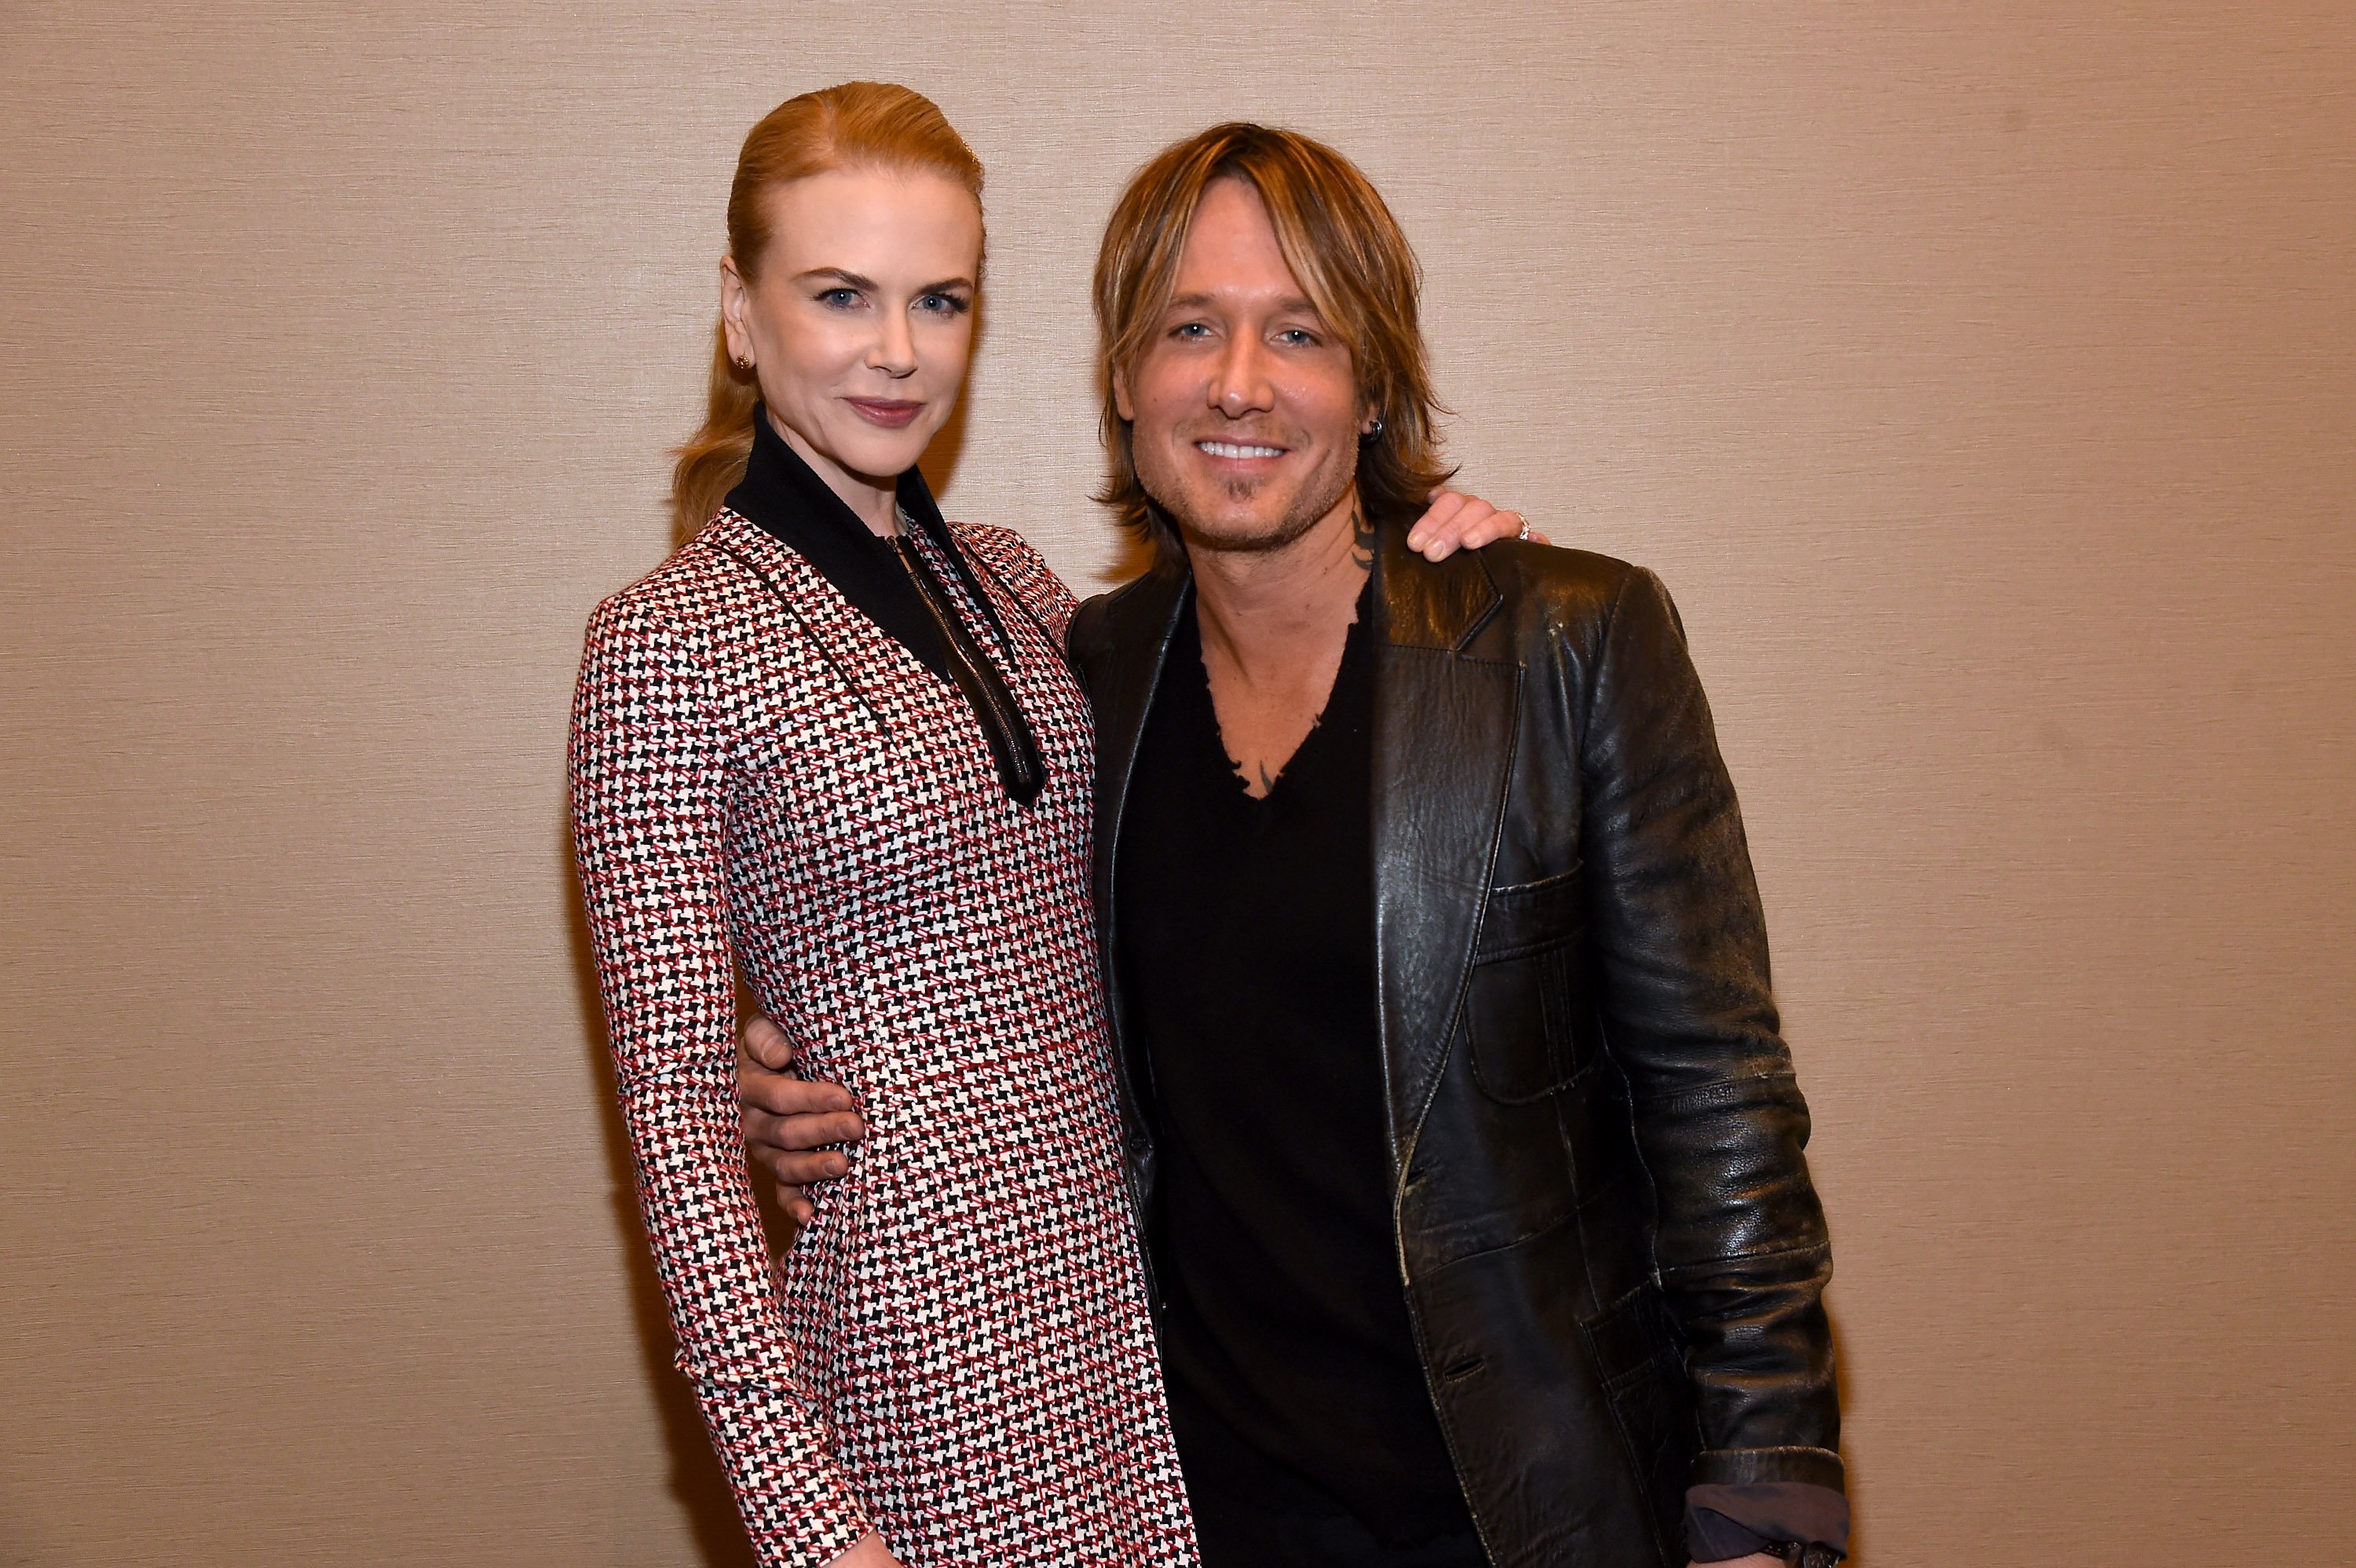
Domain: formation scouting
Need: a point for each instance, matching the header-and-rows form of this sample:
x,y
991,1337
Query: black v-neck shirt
x,y
1246,952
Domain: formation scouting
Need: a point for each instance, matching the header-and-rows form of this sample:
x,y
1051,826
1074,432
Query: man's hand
x,y
788,1121
1457,521
868,1551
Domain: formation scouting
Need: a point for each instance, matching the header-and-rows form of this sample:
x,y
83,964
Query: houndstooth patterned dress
x,y
956,1350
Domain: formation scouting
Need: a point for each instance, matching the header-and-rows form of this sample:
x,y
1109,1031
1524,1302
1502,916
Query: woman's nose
x,y
894,349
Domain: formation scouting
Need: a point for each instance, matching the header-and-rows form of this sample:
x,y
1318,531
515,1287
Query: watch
x,y
1805,1554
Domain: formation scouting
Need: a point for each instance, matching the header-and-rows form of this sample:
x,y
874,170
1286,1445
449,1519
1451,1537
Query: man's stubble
x,y
1321,492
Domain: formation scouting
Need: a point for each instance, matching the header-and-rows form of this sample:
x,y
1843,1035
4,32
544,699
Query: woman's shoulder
x,y
1004,547
685,595
1012,557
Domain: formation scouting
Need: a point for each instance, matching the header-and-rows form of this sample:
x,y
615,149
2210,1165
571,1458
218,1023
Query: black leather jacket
x,y
1611,1251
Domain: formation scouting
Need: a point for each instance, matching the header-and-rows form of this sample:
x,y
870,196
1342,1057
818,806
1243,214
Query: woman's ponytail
x,y
711,462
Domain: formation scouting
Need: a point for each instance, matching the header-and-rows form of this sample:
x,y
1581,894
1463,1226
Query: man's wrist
x,y
1804,1553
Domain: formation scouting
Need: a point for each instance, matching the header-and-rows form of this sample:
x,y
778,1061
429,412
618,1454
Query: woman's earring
x,y
743,362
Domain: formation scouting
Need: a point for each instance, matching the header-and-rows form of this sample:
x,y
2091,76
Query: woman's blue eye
x,y
942,305
841,299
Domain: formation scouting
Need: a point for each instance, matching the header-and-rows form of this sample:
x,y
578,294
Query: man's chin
x,y
1254,532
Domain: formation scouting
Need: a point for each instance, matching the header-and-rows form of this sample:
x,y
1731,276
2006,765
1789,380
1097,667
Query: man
x,y
1467,1149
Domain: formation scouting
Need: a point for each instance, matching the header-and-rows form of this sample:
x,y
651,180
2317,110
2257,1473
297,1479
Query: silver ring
x,y
1525,527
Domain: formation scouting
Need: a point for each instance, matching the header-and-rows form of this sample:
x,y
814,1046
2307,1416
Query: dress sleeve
x,y
648,776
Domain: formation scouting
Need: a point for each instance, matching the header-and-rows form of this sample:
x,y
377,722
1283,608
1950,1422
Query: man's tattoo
x,y
1362,534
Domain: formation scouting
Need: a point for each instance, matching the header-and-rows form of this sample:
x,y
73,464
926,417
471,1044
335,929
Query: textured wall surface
x,y
1981,375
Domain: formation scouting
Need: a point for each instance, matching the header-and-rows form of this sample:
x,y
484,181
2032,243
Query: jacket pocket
x,y
1644,1383
1521,1018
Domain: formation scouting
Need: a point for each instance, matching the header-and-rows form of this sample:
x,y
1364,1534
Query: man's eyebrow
x,y
1290,305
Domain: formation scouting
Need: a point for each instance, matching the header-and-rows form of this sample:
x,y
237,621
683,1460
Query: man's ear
x,y
1121,404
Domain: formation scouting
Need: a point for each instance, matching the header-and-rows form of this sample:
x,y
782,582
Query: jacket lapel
x,y
1445,728
1120,691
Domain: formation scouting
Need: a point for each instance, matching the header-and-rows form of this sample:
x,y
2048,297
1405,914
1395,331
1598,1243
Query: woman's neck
x,y
875,502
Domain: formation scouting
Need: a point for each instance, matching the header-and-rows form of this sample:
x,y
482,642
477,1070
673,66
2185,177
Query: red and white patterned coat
x,y
955,1349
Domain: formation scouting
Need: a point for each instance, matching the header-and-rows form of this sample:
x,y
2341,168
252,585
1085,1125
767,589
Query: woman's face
x,y
858,321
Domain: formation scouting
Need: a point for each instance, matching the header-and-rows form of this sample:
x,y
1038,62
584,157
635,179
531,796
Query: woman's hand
x,y
869,1551
1457,521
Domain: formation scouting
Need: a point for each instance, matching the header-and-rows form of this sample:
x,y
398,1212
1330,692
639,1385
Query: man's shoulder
x,y
1106,620
1575,604
1560,582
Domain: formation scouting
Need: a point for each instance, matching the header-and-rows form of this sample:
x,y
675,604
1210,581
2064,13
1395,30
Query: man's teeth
x,y
1229,449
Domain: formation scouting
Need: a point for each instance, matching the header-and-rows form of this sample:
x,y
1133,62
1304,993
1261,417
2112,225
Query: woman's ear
x,y
734,300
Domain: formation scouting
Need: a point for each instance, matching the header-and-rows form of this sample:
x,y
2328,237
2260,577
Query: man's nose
x,y
1240,384
894,352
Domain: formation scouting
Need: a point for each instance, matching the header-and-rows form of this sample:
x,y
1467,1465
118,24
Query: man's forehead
x,y
1232,250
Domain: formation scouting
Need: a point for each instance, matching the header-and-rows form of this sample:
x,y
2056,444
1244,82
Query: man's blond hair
x,y
1350,257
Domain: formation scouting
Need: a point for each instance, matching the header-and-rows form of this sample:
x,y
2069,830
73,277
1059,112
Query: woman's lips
x,y
890,413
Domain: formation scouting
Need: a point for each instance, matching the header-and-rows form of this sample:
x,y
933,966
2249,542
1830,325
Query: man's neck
x,y
1272,615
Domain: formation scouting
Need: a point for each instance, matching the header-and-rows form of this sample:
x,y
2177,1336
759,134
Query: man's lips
x,y
1240,451
892,414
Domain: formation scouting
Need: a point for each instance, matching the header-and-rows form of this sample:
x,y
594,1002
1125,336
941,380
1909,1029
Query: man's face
x,y
1244,409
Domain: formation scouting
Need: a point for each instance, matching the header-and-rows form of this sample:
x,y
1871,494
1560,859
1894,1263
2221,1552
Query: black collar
x,y
893,584
784,497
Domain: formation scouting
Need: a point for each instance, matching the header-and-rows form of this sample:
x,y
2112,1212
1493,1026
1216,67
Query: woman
x,y
834,739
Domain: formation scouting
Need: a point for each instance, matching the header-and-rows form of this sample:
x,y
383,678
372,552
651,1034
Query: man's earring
x,y
1372,431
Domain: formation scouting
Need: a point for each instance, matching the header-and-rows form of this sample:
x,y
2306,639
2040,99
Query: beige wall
x,y
1981,375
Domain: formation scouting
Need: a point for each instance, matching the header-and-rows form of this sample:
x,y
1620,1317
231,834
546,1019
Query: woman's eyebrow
x,y
849,279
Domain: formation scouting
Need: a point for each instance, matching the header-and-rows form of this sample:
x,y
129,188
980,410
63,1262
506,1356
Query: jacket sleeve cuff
x,y
798,1510
1745,1467
1728,1522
